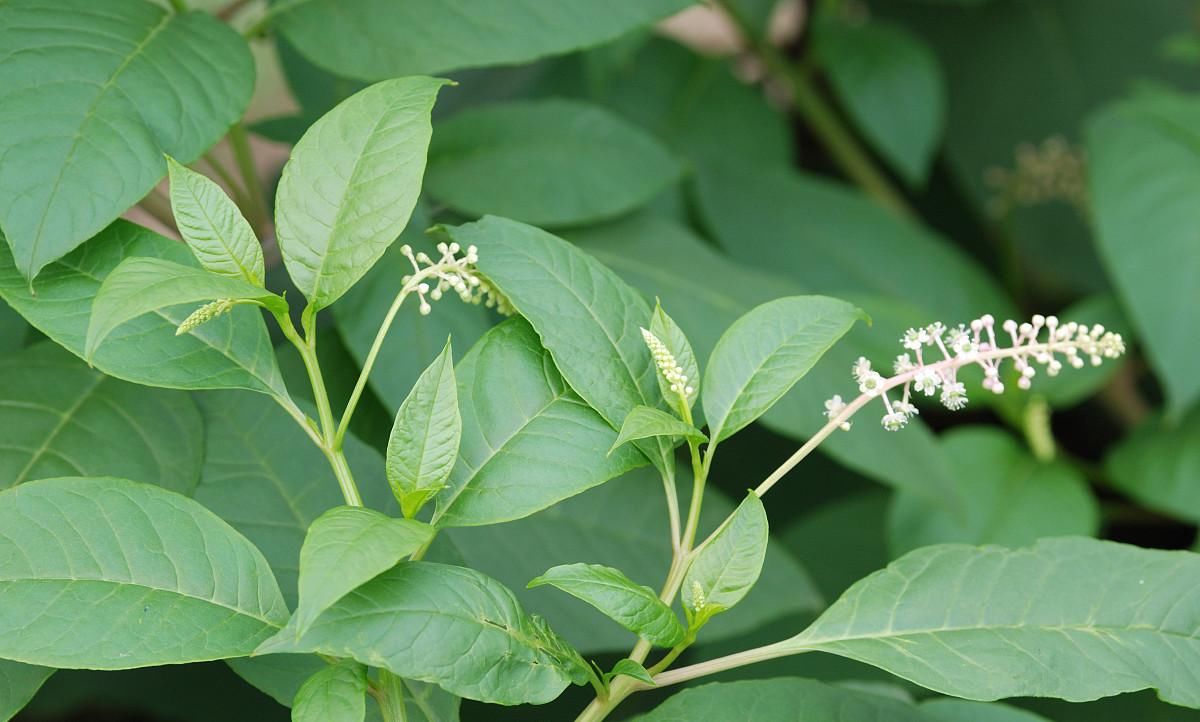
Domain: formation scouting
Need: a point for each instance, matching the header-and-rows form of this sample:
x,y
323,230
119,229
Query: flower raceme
x,y
450,272
975,343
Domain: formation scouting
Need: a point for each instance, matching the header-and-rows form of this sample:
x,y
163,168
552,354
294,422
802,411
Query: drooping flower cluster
x,y
667,366
451,272
1053,170
975,343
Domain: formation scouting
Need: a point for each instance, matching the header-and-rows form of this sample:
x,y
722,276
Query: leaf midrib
x,y
802,643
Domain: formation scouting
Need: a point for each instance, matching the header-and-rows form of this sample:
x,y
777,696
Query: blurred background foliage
x,y
927,159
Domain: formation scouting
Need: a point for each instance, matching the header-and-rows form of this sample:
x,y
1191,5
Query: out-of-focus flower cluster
x,y
1053,170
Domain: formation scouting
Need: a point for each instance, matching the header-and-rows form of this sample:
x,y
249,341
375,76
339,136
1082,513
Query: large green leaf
x,y
61,418
448,625
213,226
105,573
1077,619
527,441
264,476
1011,498
423,445
18,683
764,353
375,39
710,291
347,546
783,699
892,86
138,286
583,528
414,340
547,162
351,184
587,317
92,96
961,710
1159,465
337,693
1143,167
634,606
727,565
233,351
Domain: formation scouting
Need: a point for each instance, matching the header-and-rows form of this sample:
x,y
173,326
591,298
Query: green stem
x,y
256,209
179,6
159,207
843,147
721,664
389,693
361,384
239,195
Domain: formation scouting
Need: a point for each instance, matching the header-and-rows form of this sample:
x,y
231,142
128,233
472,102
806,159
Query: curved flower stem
x,y
256,205
368,364
721,664
389,693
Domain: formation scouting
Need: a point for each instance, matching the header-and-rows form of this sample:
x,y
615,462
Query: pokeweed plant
x,y
110,563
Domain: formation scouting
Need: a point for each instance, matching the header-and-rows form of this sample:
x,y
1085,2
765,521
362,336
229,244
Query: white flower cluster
x,y
975,343
667,366
451,272
1053,170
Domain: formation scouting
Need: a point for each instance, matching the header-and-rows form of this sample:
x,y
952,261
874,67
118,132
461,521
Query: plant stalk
x,y
843,147
361,384
390,696
256,210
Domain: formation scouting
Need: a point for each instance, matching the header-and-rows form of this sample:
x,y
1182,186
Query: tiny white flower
x,y
915,338
903,364
954,395
894,421
906,408
927,381
960,342
870,383
861,368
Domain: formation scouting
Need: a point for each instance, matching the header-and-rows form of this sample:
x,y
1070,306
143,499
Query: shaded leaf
x,y
347,547
18,683
448,625
634,606
961,710
423,445
1159,465
546,162
213,226
232,351
337,693
779,699
105,573
62,418
351,184
727,565
374,39
93,95
528,441
1012,499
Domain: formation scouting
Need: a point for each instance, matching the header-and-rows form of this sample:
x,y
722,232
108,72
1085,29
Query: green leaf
x,y
1071,618
351,184
727,565
587,317
960,710
93,95
13,329
233,351
630,668
764,353
713,291
583,528
644,422
1011,498
105,573
213,226
546,162
414,340
18,684
634,606
1142,166
841,541
423,445
528,441
448,625
1158,464
138,286
666,330
374,39
279,676
347,547
62,418
264,476
779,699
892,87
338,693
